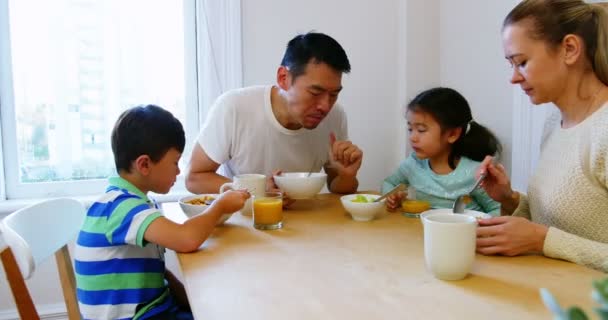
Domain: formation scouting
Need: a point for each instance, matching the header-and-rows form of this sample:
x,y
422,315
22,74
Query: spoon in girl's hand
x,y
399,187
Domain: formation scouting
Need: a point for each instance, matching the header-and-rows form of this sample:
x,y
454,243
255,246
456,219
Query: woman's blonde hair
x,y
554,19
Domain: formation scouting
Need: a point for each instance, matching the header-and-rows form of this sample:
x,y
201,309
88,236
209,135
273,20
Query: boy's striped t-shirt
x,y
119,275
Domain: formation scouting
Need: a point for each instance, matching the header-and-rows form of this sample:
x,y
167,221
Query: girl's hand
x,y
510,236
496,183
231,200
393,202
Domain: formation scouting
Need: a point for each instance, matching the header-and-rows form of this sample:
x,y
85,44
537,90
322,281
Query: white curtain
x,y
219,53
528,124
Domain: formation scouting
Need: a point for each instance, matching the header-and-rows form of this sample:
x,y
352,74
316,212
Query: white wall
x,y
419,39
472,62
369,32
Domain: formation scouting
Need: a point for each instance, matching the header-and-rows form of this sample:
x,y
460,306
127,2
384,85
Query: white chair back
x,y
36,232
33,234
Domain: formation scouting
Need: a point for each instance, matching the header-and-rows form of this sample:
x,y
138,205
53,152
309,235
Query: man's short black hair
x,y
317,48
145,130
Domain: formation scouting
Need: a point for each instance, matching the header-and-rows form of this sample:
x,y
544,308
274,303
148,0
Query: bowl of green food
x,y
362,207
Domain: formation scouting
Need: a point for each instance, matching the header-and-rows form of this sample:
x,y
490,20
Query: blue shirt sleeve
x,y
398,176
487,204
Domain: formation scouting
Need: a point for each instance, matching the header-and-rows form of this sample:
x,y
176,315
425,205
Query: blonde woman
x,y
559,53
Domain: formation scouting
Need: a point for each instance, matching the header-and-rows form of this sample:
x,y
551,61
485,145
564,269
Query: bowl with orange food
x,y
413,208
195,204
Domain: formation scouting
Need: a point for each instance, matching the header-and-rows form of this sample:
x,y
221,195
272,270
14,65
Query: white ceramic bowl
x,y
362,211
298,185
193,209
472,213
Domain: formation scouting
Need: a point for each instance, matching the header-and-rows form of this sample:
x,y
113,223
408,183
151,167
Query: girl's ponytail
x,y
476,142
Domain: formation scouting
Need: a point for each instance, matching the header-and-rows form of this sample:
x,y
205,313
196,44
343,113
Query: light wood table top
x,y
324,265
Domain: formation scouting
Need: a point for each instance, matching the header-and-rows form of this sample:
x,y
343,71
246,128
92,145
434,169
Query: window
x,y
68,68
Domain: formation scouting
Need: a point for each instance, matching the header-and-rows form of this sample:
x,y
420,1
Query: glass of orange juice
x,y
268,211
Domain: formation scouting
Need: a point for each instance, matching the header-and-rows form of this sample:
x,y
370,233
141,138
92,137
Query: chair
x,y
33,234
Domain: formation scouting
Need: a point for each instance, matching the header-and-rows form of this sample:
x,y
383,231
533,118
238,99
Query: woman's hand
x,y
510,236
496,183
393,202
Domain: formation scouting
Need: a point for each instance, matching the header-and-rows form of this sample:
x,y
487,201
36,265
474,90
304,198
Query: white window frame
x,y
226,67
4,74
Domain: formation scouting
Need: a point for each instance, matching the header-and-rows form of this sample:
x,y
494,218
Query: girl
x,y
448,147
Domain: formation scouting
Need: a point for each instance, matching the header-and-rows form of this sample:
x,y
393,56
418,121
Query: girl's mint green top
x,y
442,189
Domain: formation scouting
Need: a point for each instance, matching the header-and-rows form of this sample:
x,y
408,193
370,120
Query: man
x,y
292,126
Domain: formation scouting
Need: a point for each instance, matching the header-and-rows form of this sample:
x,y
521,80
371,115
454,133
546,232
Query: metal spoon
x,y
459,203
311,168
399,187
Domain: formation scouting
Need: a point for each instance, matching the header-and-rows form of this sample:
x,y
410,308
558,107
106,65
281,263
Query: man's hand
x,y
344,156
271,186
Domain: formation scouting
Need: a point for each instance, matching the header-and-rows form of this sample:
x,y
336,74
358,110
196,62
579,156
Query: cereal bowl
x,y
195,204
300,185
359,210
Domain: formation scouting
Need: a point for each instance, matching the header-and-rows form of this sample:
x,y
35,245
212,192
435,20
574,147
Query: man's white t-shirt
x,y
242,134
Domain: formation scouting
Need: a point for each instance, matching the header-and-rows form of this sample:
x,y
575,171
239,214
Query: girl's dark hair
x,y
451,110
145,130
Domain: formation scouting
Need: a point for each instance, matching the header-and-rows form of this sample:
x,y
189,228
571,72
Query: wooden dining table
x,y
324,265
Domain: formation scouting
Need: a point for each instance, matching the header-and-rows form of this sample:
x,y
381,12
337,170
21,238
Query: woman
x,y
559,53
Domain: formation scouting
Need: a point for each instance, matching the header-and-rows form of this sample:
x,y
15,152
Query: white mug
x,y
254,183
449,244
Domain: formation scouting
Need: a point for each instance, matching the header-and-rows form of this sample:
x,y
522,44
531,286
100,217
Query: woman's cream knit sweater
x,y
569,192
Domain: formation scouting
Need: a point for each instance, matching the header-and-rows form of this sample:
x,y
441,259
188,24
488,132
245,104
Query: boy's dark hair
x,y
317,48
451,110
145,130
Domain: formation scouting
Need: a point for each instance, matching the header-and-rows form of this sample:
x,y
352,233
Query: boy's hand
x,y
231,201
393,202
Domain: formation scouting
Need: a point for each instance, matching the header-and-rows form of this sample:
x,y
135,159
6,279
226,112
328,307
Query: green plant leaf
x,y
576,313
601,289
552,304
603,313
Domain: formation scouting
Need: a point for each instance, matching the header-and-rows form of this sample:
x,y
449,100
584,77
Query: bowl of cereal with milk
x,y
195,204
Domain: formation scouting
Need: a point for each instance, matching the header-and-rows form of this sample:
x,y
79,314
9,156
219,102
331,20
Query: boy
x,y
119,252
